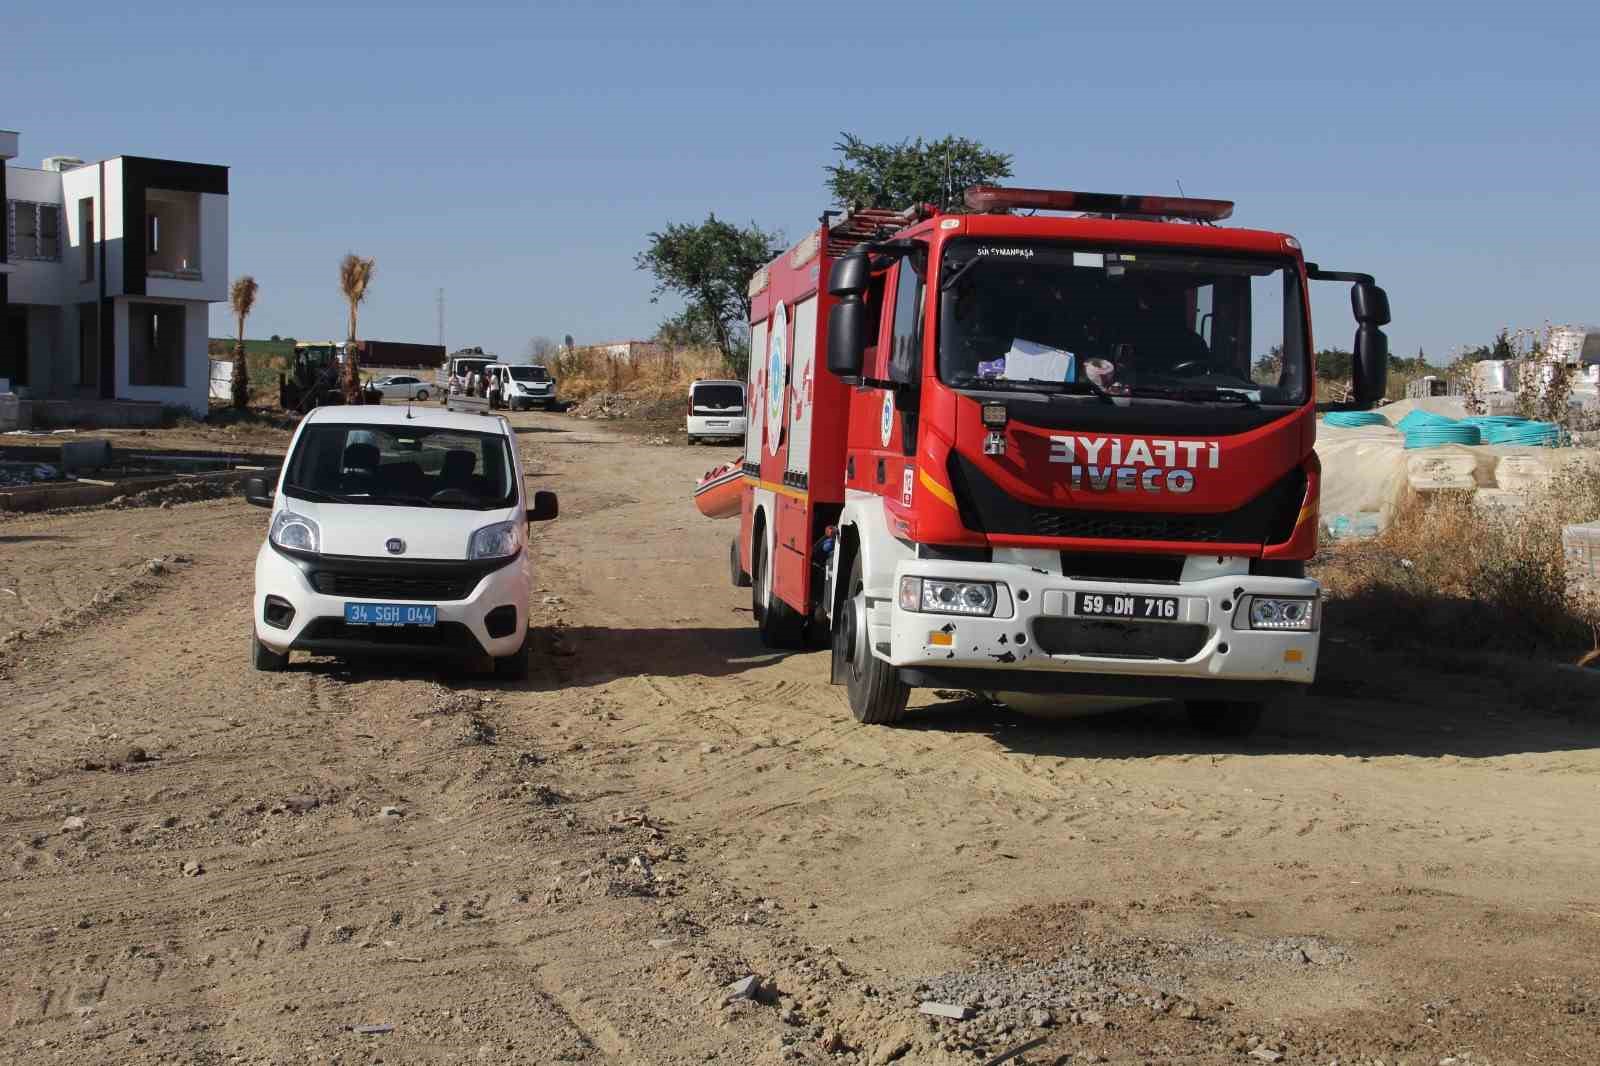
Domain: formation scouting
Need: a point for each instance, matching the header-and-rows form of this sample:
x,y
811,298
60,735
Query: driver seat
x,y
457,470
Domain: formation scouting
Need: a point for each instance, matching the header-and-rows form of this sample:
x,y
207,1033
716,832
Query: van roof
x,y
714,381
396,415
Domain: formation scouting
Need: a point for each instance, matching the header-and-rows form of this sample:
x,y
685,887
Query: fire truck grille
x,y
1117,525
1177,641
986,508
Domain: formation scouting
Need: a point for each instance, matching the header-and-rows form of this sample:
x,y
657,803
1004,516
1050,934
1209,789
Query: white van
x,y
399,531
716,410
452,375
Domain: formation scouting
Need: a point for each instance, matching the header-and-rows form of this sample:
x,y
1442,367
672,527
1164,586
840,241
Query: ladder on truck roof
x,y
866,224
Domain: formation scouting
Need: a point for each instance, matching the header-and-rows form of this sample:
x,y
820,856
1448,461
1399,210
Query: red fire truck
x,y
1063,442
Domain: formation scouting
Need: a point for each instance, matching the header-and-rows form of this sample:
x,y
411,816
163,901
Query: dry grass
x,y
1449,570
585,372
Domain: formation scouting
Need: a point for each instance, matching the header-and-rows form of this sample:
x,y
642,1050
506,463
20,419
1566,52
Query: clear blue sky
x,y
517,154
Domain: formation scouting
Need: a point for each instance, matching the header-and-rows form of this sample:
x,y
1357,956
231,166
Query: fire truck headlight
x,y
1281,613
935,596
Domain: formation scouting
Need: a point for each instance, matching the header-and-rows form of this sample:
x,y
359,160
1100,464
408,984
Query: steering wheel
x,y
452,495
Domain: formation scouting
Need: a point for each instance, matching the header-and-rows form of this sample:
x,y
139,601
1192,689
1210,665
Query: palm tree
x,y
355,275
242,297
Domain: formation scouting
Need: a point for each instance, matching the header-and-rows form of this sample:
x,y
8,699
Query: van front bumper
x,y
463,622
1037,627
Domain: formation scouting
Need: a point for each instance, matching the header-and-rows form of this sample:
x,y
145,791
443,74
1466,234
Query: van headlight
x,y
935,596
1292,614
496,541
295,532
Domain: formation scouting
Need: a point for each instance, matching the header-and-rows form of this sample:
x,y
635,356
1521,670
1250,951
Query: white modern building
x,y
107,274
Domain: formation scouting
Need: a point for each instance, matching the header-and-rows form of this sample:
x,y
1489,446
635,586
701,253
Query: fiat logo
x,y
395,545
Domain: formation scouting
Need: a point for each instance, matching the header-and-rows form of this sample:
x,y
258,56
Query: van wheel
x,y
780,625
877,695
513,667
1225,718
264,658
741,580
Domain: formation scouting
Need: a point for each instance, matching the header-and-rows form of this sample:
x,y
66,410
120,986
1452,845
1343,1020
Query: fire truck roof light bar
x,y
997,198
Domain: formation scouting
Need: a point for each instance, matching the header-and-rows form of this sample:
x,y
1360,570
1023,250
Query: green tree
x,y
912,172
709,265
1502,349
1333,364
685,330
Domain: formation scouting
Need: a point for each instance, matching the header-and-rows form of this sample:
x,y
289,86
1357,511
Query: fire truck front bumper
x,y
960,623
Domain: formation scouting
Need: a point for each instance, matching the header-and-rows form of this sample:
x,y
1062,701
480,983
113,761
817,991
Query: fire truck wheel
x,y
741,580
1224,718
780,625
877,695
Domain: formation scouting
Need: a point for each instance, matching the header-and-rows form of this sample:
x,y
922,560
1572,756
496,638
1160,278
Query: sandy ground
x,y
209,865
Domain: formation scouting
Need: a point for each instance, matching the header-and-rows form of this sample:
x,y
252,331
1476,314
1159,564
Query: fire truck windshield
x,y
1163,325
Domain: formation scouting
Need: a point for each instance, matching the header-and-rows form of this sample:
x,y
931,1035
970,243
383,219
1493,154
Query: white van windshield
x,y
401,466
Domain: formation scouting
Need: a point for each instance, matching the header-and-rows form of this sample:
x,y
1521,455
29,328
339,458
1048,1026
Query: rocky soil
x,y
671,845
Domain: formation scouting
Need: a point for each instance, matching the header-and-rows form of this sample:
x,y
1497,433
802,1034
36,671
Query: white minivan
x,y
716,410
398,531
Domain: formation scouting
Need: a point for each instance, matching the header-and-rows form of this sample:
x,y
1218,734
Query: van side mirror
x,y
545,507
258,490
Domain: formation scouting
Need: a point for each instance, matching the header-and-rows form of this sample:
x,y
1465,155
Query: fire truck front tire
x,y
1225,718
877,695
780,625
741,580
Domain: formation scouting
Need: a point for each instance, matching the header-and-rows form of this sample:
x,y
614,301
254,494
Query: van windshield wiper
x,y
317,495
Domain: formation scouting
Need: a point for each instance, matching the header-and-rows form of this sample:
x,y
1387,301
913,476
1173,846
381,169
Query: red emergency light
x,y
997,198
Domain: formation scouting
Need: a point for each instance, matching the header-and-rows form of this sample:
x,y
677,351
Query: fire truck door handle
x,y
881,474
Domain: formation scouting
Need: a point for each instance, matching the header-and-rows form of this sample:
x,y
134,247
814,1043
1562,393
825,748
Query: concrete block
x,y
85,455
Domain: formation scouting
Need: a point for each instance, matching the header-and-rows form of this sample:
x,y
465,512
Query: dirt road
x,y
206,864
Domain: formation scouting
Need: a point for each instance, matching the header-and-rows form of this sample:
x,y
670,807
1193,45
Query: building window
x,y
155,344
35,230
86,236
14,345
88,344
172,234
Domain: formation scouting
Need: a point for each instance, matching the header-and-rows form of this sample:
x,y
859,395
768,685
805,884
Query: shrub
x,y
1450,569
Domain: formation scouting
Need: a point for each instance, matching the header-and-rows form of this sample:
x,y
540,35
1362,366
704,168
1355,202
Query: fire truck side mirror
x,y
1369,304
851,274
847,337
847,321
1369,370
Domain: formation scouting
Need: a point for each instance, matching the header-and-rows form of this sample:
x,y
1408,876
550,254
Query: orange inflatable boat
x,y
717,494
